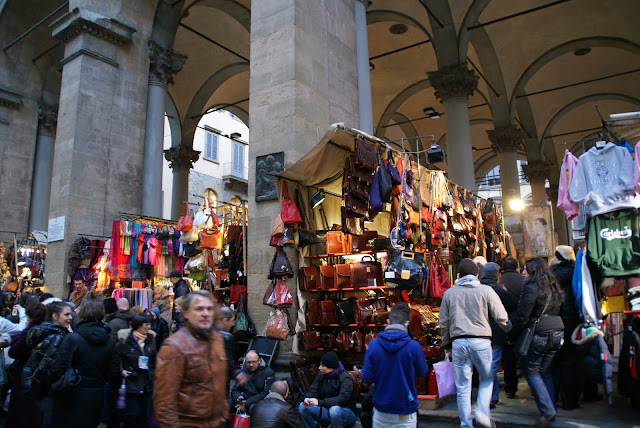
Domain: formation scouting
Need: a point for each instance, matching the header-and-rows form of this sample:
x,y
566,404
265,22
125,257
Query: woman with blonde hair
x,y
162,301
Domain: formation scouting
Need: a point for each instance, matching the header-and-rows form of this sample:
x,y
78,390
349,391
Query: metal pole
x,y
26,33
15,253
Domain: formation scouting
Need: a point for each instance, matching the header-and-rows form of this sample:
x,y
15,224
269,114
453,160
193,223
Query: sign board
x,y
56,229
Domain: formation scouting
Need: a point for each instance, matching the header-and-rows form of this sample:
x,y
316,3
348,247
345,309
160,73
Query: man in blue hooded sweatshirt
x,y
393,361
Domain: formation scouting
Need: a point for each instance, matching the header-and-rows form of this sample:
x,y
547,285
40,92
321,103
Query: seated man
x,y
330,398
252,383
274,411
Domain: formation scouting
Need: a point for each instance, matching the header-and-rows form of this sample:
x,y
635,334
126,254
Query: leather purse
x,y
438,279
328,341
289,211
280,265
361,242
367,273
343,341
309,340
357,341
338,243
309,278
342,277
365,310
277,326
353,172
211,239
344,312
380,318
368,338
351,225
313,312
327,277
354,205
365,154
404,268
328,312
185,222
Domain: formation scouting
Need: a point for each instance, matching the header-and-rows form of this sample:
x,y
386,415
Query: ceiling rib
x,y
197,33
514,15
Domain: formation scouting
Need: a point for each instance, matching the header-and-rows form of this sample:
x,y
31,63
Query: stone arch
x,y
471,17
242,114
578,102
230,7
407,127
202,95
399,99
173,117
555,52
489,160
384,15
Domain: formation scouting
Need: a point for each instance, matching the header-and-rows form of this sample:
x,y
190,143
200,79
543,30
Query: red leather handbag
x,y
327,277
438,279
289,212
342,278
237,290
328,312
309,278
185,222
309,340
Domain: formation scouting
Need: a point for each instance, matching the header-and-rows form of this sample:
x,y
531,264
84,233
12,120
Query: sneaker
x,y
511,395
493,404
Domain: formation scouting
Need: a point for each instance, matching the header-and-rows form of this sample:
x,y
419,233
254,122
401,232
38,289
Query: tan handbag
x,y
277,327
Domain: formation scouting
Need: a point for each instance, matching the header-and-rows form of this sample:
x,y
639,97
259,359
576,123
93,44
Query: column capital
x,y
536,171
76,22
366,3
505,139
181,157
163,64
454,81
47,119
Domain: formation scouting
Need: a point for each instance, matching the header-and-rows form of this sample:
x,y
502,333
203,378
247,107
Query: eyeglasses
x,y
251,362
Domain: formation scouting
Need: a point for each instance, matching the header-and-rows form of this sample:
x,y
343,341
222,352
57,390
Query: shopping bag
x,y
444,377
241,420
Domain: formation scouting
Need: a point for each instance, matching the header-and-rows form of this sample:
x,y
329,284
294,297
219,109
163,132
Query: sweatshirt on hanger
x,y
567,169
614,242
636,165
604,180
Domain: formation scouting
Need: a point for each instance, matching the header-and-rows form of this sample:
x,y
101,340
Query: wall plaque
x,y
266,167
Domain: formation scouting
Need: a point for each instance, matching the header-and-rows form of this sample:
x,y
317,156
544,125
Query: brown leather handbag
x,y
365,154
363,312
309,278
360,242
358,174
357,341
343,341
342,277
367,273
328,312
329,341
327,277
309,340
368,338
338,243
313,312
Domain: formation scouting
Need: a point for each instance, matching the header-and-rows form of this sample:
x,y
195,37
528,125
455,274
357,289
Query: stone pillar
x,y
43,167
537,173
453,86
181,160
505,142
560,223
362,59
163,63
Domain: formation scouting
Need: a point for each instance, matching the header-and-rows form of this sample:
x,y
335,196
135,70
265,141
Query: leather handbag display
x,y
344,312
338,243
328,341
309,340
404,268
365,154
288,210
357,341
367,273
309,278
327,277
361,242
365,309
328,312
313,312
368,338
438,279
342,277
280,265
343,341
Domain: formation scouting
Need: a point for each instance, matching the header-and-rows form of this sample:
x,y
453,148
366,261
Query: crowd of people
x,y
93,360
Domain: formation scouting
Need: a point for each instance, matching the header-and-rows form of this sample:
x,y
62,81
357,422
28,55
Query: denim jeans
x,y
537,369
496,352
467,354
337,416
46,406
390,420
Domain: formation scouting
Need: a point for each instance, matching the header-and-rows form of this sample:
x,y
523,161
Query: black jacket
x,y
140,381
44,339
594,360
161,329
257,387
180,289
333,390
563,272
498,336
273,412
530,307
512,281
119,321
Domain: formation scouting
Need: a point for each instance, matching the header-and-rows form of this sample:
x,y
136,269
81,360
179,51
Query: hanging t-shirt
x,y
636,169
565,203
604,180
614,242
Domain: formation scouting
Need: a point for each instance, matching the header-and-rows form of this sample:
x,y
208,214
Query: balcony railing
x,y
229,171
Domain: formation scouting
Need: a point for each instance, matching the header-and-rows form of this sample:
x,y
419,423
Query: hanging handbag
x,y
342,278
365,154
312,312
196,263
404,268
375,200
351,225
338,243
309,340
268,294
191,235
288,210
357,341
280,265
192,249
328,312
366,273
343,341
211,239
328,341
237,291
384,182
327,277
305,236
308,278
277,229
438,279
355,206
281,295
526,337
396,178
277,327
344,312
185,222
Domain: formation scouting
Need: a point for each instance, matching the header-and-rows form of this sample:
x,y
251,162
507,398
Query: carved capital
x,y
73,24
181,157
163,64
506,139
536,171
455,81
47,119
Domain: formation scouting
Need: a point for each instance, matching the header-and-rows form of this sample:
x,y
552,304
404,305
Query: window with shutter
x,y
238,160
211,147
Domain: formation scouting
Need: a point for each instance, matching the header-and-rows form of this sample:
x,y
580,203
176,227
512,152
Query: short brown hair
x,y
190,296
92,308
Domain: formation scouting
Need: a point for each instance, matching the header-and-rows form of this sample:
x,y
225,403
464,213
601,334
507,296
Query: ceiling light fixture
x,y
398,29
581,51
431,113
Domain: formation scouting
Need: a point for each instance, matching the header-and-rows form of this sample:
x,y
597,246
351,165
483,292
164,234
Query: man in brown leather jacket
x,y
273,411
191,370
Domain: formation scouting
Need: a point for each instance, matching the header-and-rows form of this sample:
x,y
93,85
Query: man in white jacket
x,y
464,325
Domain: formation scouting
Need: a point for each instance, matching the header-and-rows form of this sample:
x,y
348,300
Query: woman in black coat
x,y
137,352
538,288
90,350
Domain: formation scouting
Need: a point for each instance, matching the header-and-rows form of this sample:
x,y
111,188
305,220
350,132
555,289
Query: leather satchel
x,y
329,341
361,242
280,265
342,277
313,312
357,341
353,172
368,338
365,310
327,277
344,312
309,278
328,312
338,243
367,273
365,154
354,205
309,340
351,226
343,341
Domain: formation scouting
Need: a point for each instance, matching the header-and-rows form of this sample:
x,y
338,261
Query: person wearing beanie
x,y
392,362
480,262
110,307
465,327
490,277
330,399
180,286
159,326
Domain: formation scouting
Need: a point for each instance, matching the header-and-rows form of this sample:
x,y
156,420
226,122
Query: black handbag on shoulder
x,y
69,380
526,337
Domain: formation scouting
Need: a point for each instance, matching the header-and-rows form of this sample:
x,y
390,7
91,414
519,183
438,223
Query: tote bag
x,y
444,377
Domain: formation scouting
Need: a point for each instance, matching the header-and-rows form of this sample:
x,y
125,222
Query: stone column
x,y
537,173
43,167
505,142
362,60
454,85
181,160
560,223
163,63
